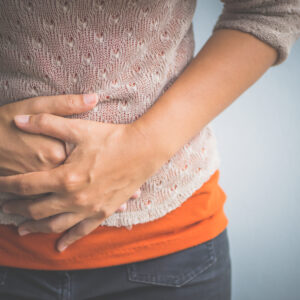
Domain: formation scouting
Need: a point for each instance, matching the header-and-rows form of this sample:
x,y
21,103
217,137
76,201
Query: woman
x,y
116,195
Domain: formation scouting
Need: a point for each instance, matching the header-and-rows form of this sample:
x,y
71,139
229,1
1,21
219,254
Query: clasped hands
x,y
105,166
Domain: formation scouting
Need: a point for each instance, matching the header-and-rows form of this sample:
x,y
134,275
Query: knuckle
x,y
52,227
51,156
72,182
33,214
57,155
103,213
42,119
80,200
96,209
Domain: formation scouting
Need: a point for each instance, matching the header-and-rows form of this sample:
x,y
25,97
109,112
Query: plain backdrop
x,y
259,144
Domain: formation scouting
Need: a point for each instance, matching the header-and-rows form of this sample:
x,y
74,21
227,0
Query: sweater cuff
x,y
276,23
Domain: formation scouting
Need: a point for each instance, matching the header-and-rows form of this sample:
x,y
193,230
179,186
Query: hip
x,y
202,272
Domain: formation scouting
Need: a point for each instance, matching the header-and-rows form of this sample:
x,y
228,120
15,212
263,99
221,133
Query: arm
x,y
228,64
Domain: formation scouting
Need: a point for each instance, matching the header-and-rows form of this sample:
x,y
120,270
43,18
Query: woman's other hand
x,y
22,152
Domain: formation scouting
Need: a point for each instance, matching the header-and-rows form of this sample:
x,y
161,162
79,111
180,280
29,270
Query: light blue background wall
x,y
259,143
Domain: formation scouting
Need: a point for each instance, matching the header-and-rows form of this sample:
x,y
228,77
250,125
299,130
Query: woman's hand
x,y
108,163
22,152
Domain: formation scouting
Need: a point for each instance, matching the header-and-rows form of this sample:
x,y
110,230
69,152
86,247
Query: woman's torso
x,y
129,52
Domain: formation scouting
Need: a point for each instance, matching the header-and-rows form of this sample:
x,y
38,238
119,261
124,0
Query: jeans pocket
x,y
175,269
3,275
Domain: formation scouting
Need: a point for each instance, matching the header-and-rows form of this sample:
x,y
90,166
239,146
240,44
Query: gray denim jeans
x,y
201,272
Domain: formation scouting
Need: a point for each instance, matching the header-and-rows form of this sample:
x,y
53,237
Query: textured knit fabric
x,y
275,22
130,53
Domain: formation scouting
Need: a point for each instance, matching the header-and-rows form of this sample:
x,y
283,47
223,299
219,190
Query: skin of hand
x,y
107,164
229,63
22,152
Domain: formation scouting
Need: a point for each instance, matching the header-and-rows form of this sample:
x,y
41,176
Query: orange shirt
x,y
200,218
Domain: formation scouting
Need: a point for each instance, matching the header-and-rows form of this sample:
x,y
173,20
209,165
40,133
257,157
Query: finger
x,y
55,126
36,209
60,105
53,224
56,180
77,232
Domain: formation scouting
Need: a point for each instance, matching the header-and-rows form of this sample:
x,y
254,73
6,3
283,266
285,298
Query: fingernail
x,y
62,248
22,118
90,98
23,231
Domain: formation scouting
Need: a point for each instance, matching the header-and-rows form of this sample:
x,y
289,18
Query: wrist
x,y
149,145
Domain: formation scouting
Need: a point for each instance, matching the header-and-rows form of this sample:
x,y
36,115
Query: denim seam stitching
x,y
188,275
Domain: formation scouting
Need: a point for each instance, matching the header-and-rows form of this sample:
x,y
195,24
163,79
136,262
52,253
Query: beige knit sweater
x,y
129,52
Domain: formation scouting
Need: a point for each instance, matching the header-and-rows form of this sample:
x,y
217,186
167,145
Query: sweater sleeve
x,y
275,22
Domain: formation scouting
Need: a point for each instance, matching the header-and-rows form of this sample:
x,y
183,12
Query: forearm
x,y
229,63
